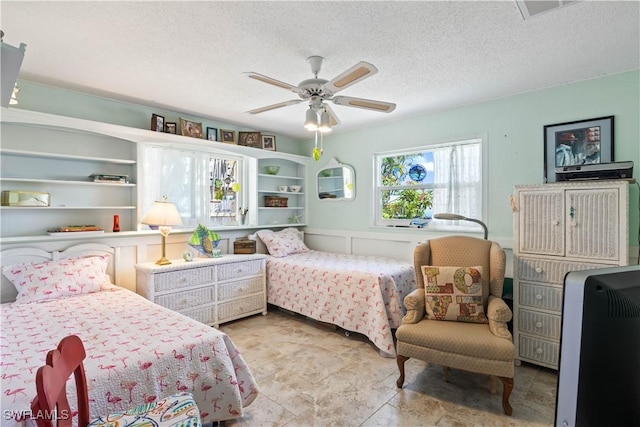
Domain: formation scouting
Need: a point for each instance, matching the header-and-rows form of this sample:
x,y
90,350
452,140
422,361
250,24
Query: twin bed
x,y
361,294
137,351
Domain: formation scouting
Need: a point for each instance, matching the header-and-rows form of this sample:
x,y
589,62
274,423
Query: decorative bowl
x,y
295,188
272,170
326,173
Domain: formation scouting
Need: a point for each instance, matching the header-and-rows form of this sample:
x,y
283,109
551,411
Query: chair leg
x,y
507,386
400,359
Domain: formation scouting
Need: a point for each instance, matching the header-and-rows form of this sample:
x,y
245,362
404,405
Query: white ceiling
x,y
432,55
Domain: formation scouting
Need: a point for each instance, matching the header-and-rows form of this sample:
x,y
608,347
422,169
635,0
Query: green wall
x,y
513,127
514,130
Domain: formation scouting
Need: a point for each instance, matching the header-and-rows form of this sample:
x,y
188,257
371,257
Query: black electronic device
x,y
611,170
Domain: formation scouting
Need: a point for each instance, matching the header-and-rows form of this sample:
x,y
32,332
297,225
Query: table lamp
x,y
456,217
163,214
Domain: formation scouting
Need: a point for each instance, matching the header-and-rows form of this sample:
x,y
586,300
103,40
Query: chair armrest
x,y
414,303
499,314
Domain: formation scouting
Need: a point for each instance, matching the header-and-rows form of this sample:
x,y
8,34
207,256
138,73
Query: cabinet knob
x,y
555,222
573,223
538,269
538,325
539,350
538,297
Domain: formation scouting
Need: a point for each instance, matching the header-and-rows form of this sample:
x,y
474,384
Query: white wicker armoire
x,y
561,227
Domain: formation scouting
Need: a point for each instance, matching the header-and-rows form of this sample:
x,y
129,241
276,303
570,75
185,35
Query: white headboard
x,y
35,255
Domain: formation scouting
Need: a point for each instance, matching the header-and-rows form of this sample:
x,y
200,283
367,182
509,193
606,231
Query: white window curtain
x,y
458,180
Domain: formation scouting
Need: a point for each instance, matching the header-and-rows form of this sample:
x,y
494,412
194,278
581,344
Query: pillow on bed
x,y
56,279
284,242
454,293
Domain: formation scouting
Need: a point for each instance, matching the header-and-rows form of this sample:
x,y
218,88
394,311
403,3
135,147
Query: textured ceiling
x,y
431,55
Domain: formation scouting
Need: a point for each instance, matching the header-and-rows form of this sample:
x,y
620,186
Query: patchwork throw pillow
x,y
284,242
57,279
454,293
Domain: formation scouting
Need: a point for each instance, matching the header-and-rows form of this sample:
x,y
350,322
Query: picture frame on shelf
x,y
191,128
268,142
157,123
249,139
577,143
212,134
171,127
228,136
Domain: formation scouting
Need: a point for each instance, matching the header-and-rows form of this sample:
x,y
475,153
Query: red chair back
x,y
51,403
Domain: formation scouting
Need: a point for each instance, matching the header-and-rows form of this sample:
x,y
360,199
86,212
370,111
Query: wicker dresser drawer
x,y
541,351
240,307
240,288
539,296
541,324
209,290
182,279
187,299
549,271
206,315
240,269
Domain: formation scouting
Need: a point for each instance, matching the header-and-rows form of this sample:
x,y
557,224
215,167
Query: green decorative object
x,y
205,241
272,170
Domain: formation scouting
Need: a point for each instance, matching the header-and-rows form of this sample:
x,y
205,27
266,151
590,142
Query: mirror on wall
x,y
336,181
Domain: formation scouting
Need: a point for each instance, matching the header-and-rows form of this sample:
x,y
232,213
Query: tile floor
x,y
311,375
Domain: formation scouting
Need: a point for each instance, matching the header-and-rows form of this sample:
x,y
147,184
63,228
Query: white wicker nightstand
x,y
209,290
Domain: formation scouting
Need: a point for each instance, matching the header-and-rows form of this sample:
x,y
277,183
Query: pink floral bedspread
x,y
358,293
137,352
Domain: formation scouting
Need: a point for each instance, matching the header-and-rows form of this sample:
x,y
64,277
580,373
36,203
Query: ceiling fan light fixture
x,y
311,121
325,125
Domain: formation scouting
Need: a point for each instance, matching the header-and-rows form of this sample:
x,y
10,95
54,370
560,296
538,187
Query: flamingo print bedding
x,y
358,293
137,352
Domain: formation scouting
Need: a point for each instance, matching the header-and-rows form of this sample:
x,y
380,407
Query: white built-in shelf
x,y
276,208
63,182
47,155
293,193
266,175
46,208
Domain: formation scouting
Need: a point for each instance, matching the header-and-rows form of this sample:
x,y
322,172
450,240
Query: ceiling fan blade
x,y
333,119
271,81
367,104
274,106
353,75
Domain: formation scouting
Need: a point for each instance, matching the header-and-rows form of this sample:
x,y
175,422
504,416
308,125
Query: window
x,y
412,185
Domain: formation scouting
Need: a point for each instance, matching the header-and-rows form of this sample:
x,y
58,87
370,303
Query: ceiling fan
x,y
316,90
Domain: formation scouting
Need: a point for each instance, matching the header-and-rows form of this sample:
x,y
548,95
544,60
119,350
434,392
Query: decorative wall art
x,y
249,139
157,123
192,129
577,143
212,134
269,142
228,136
171,127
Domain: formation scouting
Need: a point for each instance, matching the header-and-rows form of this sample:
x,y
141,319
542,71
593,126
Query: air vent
x,y
530,8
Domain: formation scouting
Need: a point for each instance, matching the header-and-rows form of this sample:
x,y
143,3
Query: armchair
x,y
484,348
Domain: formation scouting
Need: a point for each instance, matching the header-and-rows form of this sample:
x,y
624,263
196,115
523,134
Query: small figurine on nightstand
x,y
187,255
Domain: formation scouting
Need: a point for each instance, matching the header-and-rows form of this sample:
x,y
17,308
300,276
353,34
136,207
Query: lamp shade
x,y
311,121
325,125
162,213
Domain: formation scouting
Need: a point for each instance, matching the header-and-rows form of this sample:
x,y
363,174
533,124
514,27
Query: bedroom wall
x,y
514,130
513,127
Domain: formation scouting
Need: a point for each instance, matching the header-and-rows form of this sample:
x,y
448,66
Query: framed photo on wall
x,y
269,142
171,127
580,142
249,139
192,129
212,134
228,136
157,123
